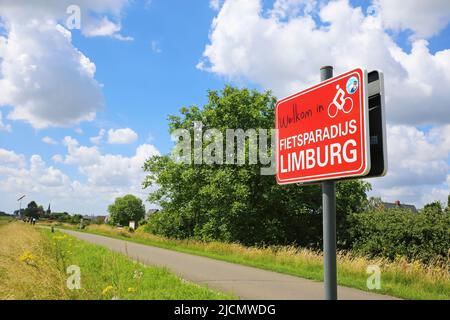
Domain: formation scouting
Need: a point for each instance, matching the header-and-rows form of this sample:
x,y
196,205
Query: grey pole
x,y
329,223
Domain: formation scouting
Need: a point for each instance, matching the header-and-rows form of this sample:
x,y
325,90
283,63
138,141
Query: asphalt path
x,y
245,282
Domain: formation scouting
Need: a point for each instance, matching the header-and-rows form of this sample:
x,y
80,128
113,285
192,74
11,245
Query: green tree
x,y
75,219
436,206
235,202
126,209
33,210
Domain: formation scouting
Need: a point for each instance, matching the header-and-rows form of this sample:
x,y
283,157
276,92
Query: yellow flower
x,y
27,257
61,237
416,265
131,290
107,290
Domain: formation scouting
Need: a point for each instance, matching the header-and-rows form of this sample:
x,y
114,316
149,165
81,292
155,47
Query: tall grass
x,y
109,275
33,264
26,269
400,278
5,220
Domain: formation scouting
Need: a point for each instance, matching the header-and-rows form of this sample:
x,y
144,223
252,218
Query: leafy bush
x,y
397,232
168,224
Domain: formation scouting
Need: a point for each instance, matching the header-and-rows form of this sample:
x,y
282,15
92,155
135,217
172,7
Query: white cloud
x,y
97,139
122,136
4,127
49,140
29,177
105,27
119,136
123,38
118,171
57,158
3,44
283,52
35,179
417,156
11,159
50,9
46,80
102,178
80,155
424,18
283,9
418,165
107,169
215,4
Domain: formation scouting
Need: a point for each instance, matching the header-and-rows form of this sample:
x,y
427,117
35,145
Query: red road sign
x,y
323,131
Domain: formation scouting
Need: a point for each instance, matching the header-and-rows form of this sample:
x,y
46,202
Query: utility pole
x,y
329,222
20,205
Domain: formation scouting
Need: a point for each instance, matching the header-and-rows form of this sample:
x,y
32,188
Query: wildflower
x,y
417,266
137,274
131,290
28,258
62,237
107,290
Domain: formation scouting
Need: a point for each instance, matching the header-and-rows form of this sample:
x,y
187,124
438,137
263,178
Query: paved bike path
x,y
245,282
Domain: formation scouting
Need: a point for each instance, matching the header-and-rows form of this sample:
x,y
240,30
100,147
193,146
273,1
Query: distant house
x,y
96,219
150,212
397,204
103,219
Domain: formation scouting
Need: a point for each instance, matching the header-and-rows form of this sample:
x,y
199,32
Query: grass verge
x,y
400,278
33,265
5,220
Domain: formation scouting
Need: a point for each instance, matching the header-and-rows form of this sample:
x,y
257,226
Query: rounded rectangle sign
x,y
323,131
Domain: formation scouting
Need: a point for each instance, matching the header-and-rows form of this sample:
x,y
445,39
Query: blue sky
x,y
141,87
143,80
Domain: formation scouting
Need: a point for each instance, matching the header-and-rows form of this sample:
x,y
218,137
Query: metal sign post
x,y
329,222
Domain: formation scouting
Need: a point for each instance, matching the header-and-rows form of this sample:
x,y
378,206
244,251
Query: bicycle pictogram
x,y
340,102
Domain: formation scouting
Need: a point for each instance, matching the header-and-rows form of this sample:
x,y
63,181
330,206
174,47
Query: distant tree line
x,y
33,210
397,232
